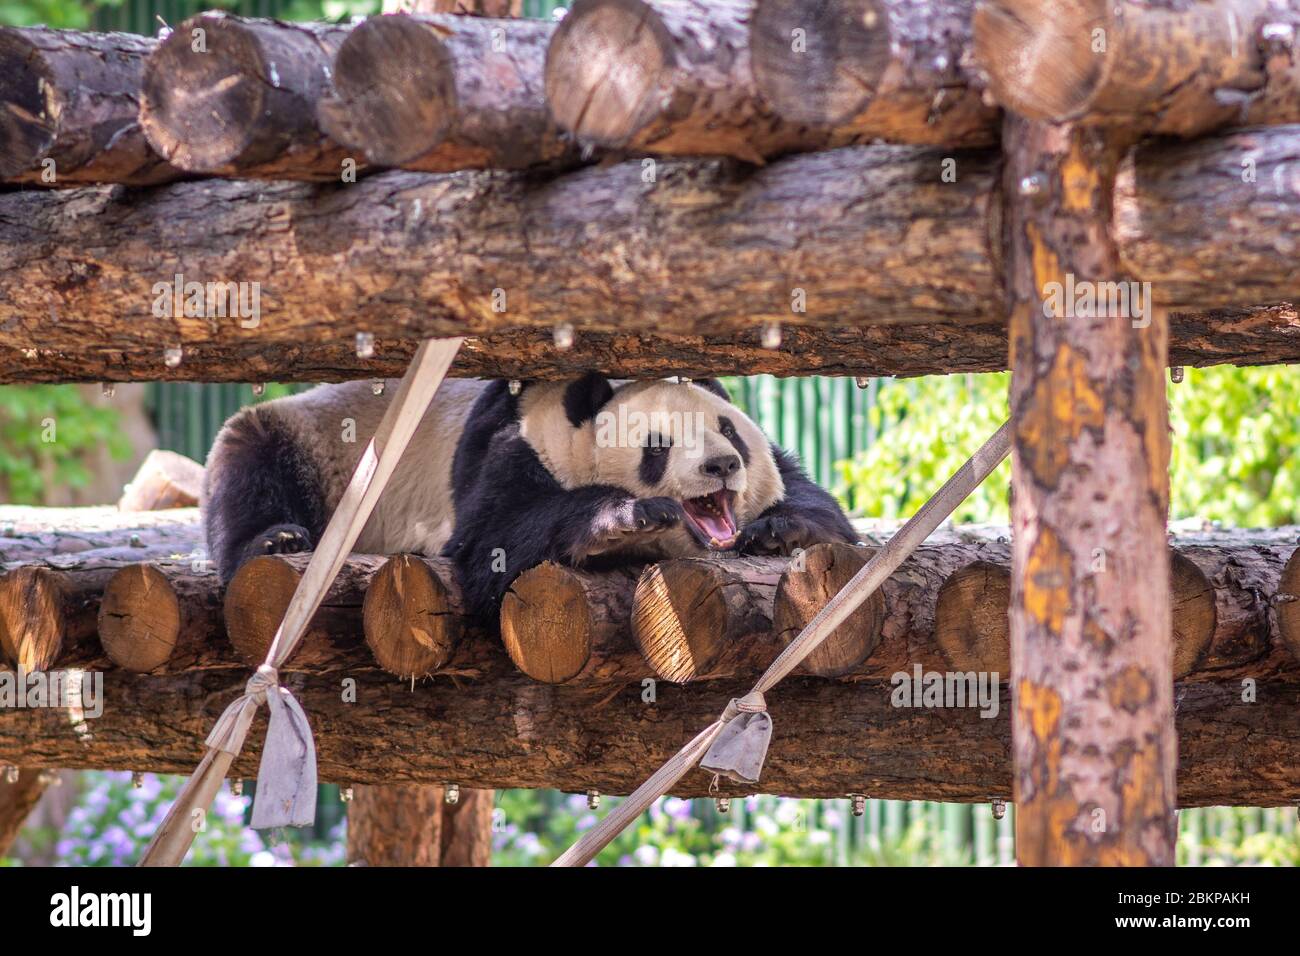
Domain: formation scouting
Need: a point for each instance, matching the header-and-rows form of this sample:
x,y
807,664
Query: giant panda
x,y
590,473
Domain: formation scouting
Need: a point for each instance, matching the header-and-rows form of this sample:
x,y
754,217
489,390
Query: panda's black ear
x,y
714,386
583,398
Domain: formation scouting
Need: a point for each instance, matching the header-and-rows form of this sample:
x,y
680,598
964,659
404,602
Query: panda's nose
x,y
721,466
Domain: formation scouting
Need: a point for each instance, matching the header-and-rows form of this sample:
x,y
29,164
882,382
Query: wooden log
x,y
889,69
973,631
560,625
30,534
831,737
395,824
822,571
1224,336
667,76
32,621
68,109
17,800
260,592
444,93
1169,68
467,829
412,615
696,618
1093,723
164,615
1238,191
231,96
869,233
1288,604
165,480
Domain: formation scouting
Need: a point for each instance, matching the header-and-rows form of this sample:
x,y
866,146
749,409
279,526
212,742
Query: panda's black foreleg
x,y
805,516
498,537
261,494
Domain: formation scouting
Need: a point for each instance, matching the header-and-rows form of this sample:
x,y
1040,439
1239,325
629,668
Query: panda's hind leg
x,y
262,492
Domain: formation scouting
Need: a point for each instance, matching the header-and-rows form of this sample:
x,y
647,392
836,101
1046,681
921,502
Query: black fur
x,y
264,494
493,411
714,386
654,459
728,429
516,515
807,515
584,398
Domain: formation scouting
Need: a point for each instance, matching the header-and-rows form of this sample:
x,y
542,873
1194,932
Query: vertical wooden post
x,y
410,824
17,800
1091,660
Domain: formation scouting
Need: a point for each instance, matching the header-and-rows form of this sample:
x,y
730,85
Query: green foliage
x,y
1235,432
928,427
1235,436
45,431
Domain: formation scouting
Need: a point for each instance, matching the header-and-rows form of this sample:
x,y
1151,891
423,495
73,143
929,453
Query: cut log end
x,y
604,68
547,624
1288,604
411,618
32,617
812,580
819,64
200,108
394,90
680,619
30,105
256,600
971,625
165,480
1042,58
1194,613
139,619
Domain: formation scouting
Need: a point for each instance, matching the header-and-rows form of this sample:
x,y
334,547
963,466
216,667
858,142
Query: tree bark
x,y
865,233
68,109
29,533
831,737
230,96
1259,336
889,69
671,77
1178,67
444,93
17,800
1093,721
1227,203
467,829
396,824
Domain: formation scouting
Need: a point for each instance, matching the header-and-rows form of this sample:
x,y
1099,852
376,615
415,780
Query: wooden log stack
x,y
163,631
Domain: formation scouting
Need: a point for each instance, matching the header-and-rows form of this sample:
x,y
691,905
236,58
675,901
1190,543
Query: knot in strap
x,y
264,680
741,747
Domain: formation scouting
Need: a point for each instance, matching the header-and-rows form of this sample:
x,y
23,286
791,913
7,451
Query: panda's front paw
x,y
279,539
655,514
776,534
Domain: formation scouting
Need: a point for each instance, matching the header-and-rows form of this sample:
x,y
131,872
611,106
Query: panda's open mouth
x,y
711,518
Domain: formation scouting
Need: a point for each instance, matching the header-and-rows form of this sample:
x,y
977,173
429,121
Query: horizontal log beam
x,y
830,738
1261,336
867,237
1179,69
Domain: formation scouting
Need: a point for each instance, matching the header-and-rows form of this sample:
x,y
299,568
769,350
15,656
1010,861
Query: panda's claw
x,y
280,539
655,514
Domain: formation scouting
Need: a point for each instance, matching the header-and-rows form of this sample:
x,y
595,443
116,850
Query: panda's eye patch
x,y
654,458
728,430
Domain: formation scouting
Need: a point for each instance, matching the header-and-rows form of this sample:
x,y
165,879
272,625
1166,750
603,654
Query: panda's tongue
x,y
712,515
